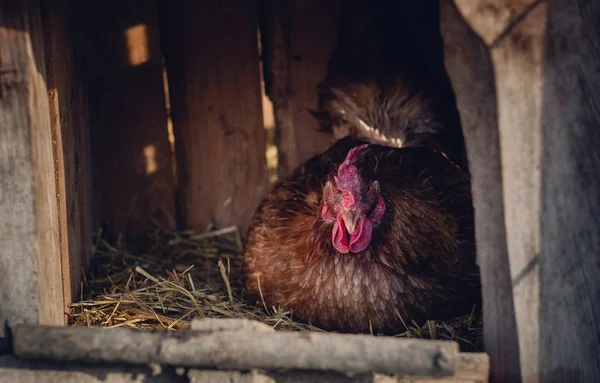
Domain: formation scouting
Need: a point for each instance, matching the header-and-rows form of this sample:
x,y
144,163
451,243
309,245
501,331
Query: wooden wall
x,y
45,231
298,38
211,56
131,152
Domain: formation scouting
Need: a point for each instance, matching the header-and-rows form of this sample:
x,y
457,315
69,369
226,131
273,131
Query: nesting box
x,y
132,113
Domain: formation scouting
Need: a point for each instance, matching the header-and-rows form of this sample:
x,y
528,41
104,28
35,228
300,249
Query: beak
x,y
350,219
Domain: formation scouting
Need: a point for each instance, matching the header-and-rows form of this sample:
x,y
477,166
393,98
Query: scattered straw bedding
x,y
186,275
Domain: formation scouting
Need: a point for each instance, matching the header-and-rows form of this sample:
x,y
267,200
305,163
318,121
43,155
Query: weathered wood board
x,y
211,56
471,369
569,259
298,40
70,133
469,66
131,152
547,78
31,288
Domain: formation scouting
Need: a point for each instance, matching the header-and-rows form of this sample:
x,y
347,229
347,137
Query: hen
x,y
363,234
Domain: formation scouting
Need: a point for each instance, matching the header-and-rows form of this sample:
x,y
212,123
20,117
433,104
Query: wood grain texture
x,y
16,370
211,56
69,126
240,350
298,39
470,68
518,70
492,18
30,265
517,59
471,367
570,188
24,371
131,153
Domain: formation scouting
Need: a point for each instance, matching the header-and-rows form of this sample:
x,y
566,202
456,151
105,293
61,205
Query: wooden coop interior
x,y
128,115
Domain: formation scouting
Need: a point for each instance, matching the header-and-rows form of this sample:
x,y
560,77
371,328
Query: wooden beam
x,y
31,288
569,258
211,55
131,152
470,68
298,40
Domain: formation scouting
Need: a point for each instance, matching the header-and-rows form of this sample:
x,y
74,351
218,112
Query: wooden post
x,y
211,54
569,260
31,287
515,39
298,39
547,76
131,152
470,69
71,148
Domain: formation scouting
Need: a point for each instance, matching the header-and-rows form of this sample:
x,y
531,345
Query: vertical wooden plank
x,y
569,329
30,263
69,125
547,73
298,39
515,36
470,68
211,56
517,63
131,153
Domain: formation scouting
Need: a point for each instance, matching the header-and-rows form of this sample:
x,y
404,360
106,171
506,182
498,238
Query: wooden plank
x,y
131,152
570,211
30,264
24,371
298,39
470,68
471,367
517,67
69,125
517,58
211,56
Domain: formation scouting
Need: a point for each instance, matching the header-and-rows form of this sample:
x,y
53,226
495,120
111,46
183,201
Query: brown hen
x,y
362,234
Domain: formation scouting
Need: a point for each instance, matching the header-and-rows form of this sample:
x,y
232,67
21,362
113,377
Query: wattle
x,y
357,241
360,239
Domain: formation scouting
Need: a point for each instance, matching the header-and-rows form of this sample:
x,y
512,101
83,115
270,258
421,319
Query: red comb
x,y
347,177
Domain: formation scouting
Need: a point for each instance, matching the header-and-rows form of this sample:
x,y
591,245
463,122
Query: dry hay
x,y
187,275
